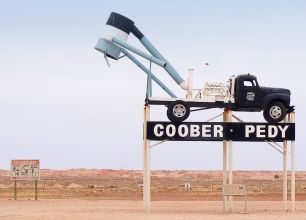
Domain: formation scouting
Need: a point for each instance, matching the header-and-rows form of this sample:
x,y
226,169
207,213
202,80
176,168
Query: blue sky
x,y
59,102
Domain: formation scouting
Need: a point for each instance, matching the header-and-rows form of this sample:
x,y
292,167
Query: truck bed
x,y
191,102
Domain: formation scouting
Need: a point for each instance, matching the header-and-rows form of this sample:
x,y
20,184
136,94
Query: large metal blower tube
x,y
120,27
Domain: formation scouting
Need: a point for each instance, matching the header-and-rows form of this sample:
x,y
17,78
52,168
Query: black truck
x,y
243,93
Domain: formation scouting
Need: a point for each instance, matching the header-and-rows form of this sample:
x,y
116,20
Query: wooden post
x,y
292,120
285,172
36,189
146,163
15,189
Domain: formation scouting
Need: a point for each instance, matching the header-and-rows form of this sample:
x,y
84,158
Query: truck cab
x,y
249,96
247,93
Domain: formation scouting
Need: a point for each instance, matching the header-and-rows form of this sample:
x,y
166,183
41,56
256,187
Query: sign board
x,y
234,190
25,169
215,131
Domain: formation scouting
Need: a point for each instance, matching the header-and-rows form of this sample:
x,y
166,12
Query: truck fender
x,y
276,97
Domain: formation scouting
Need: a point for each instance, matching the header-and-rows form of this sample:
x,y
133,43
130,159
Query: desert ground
x,y
77,209
117,194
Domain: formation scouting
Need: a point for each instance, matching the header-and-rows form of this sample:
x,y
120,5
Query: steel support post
x,y
224,182
230,158
227,163
285,171
292,120
146,163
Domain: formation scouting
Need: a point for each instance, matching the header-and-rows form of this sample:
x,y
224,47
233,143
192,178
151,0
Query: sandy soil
x,y
76,209
165,185
117,194
206,174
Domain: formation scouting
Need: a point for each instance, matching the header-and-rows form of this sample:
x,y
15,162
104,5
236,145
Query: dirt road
x,y
76,209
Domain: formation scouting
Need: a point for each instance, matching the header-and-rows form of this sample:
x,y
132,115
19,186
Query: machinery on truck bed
x,y
242,92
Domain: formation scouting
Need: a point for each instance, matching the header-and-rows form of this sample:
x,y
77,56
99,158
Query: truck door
x,y
248,93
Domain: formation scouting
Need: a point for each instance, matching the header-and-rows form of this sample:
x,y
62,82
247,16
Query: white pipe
x,y
190,83
139,52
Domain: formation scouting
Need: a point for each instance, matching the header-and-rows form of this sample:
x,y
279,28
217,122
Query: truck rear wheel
x,y
275,112
178,111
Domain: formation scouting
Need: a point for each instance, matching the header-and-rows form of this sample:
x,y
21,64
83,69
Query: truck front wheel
x,y
178,111
275,112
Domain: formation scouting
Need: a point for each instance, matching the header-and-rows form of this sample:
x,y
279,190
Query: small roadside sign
x,y
25,169
234,190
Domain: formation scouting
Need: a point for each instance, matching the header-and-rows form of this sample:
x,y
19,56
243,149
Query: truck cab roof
x,y
246,77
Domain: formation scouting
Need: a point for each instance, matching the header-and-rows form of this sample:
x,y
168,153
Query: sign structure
x,y
215,131
25,169
234,190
